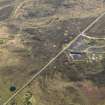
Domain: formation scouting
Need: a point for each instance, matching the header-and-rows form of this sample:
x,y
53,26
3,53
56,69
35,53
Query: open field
x,y
32,32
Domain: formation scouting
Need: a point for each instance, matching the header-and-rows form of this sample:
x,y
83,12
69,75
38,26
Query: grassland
x,y
34,31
